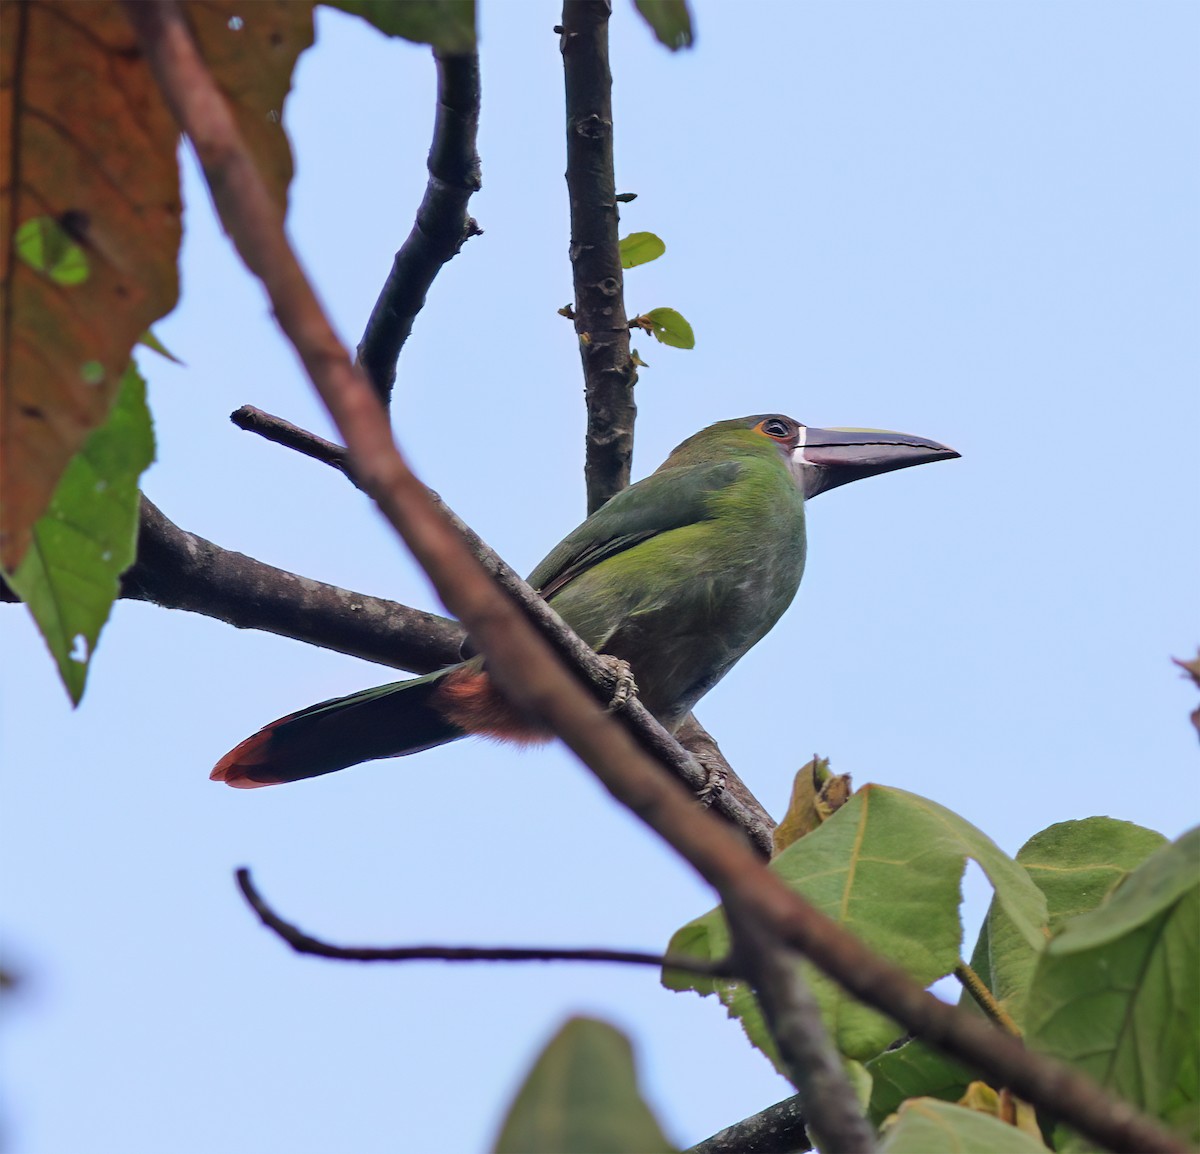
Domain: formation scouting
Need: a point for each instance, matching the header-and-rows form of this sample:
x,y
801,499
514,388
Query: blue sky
x,y
971,221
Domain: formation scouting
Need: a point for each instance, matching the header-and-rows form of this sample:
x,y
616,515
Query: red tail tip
x,y
244,766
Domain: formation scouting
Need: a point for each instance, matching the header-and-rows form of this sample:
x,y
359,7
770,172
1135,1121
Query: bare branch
x,y
779,1129
791,1012
179,570
599,314
442,225
304,943
280,432
528,669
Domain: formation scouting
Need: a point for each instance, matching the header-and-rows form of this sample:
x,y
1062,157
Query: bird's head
x,y
819,459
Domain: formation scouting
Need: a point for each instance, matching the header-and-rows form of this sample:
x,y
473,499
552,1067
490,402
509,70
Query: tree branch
x,y
442,225
600,320
827,1098
280,432
529,670
304,943
779,1129
179,570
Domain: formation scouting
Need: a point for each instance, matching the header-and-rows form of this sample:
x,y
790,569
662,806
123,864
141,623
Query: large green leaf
x,y
1075,864
449,25
1117,992
581,1097
888,866
925,1125
913,1070
88,535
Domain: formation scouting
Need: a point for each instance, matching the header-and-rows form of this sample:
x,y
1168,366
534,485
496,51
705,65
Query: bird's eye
x,y
774,427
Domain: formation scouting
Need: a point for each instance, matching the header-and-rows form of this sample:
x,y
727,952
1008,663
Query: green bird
x,y
678,575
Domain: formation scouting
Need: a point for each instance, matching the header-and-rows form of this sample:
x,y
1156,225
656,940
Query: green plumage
x,y
683,572
679,575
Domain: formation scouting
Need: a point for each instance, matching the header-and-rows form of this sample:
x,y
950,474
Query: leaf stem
x,y
985,999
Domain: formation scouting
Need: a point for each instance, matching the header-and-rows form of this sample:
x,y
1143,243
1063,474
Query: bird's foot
x,y
714,784
624,688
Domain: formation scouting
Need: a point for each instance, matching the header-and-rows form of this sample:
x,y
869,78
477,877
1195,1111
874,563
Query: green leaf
x,y
154,344
640,248
1075,864
671,21
671,329
43,244
449,25
913,1070
1116,993
888,866
581,1097
88,535
925,1124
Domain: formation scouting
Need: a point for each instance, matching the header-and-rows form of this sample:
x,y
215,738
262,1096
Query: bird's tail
x,y
387,721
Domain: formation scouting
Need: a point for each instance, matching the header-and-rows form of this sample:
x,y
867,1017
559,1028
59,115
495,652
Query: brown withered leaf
x,y
1192,669
90,211
89,152
1003,1106
251,50
817,793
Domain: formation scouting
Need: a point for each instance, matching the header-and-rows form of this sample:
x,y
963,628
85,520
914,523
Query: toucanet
x,y
678,575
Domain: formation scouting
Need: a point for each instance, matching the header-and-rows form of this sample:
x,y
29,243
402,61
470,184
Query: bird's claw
x,y
714,784
624,688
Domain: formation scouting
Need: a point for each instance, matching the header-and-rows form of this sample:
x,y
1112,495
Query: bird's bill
x,y
828,458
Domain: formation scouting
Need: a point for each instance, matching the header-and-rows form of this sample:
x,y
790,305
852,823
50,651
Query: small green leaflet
x,y
43,244
155,345
449,25
671,329
580,1097
671,21
88,535
640,248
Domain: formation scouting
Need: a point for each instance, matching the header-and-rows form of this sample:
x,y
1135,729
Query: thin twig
x,y
529,670
280,432
304,943
442,225
733,800
779,1129
599,314
985,999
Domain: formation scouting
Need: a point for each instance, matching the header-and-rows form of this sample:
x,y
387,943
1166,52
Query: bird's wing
x,y
668,499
